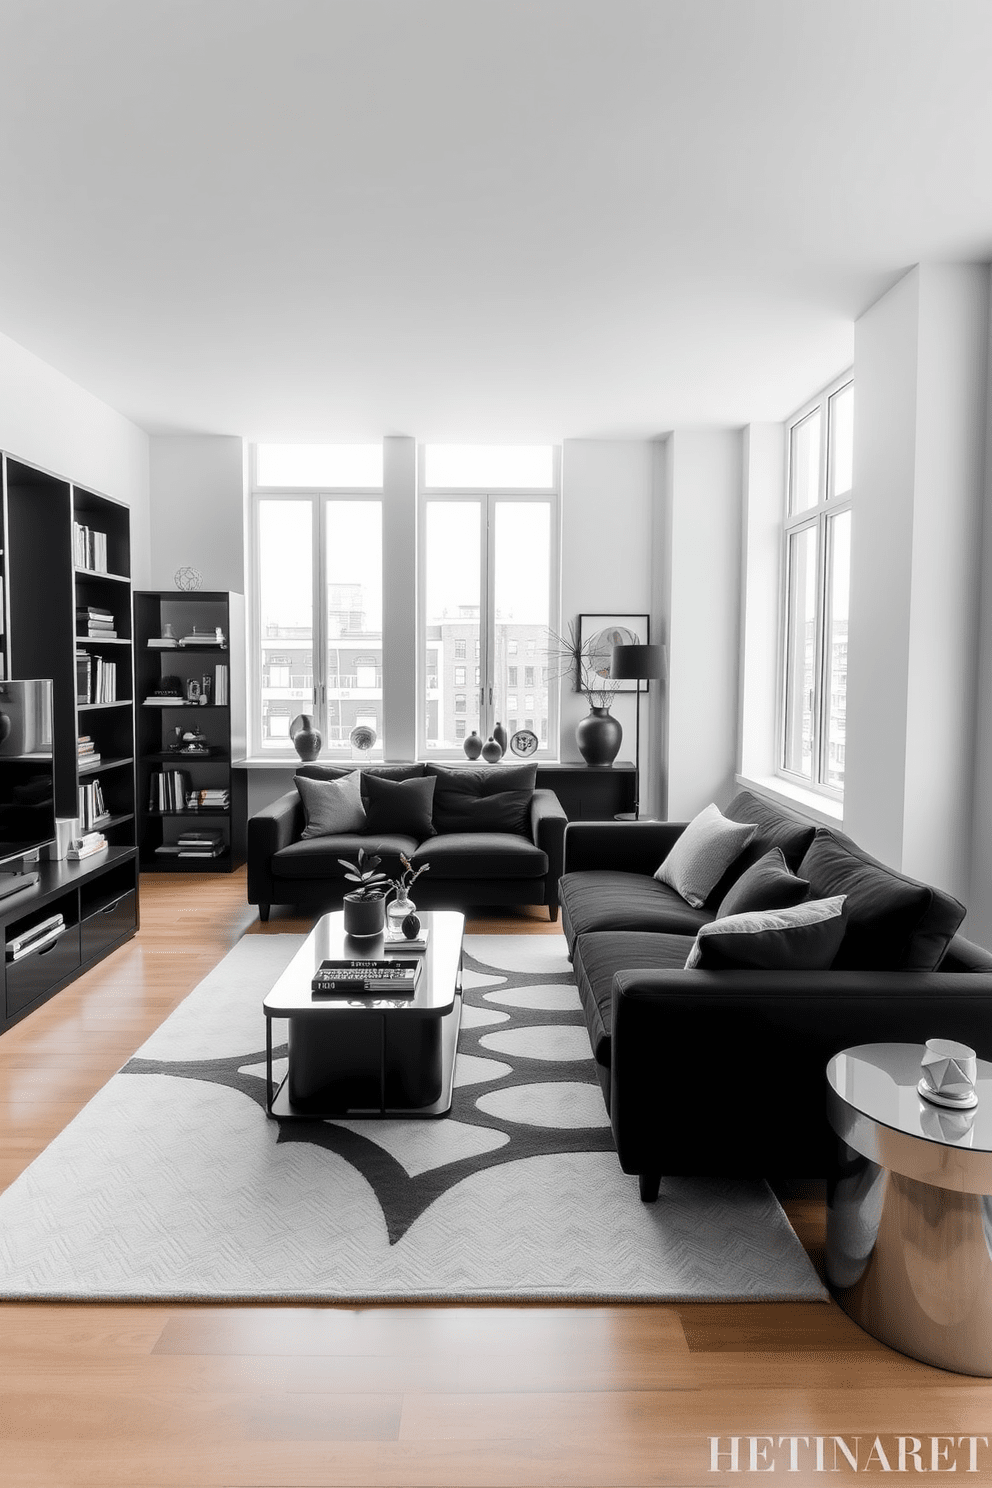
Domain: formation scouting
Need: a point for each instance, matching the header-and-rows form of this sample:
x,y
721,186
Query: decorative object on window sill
x,y
361,739
524,742
306,739
499,734
187,578
949,1074
637,664
491,751
472,746
599,736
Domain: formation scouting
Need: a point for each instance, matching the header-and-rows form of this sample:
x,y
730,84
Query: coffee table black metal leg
x,y
268,1066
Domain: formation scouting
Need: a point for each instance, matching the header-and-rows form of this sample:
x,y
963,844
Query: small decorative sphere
x,y
362,736
411,925
188,578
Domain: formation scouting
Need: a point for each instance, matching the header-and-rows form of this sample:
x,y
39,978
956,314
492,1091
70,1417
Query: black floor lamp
x,y
640,664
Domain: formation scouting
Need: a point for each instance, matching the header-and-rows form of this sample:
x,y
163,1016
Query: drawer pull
x,y
109,908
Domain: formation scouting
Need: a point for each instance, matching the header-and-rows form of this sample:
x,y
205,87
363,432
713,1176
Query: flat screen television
x,y
27,771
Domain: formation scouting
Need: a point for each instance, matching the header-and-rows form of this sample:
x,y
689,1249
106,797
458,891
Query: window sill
x,y
821,809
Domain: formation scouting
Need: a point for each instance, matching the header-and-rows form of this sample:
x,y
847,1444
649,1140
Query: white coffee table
x,y
909,1212
368,1057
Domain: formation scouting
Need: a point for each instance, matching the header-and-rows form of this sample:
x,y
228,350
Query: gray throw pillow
x,y
806,937
332,806
703,853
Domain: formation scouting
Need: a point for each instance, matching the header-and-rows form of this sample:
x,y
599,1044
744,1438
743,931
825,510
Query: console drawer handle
x,y
109,908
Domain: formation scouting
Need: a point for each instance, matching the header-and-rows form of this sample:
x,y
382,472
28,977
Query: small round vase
x,y
472,745
491,751
398,913
306,739
411,925
500,735
364,916
598,737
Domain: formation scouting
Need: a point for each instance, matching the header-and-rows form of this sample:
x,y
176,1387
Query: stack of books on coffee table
x,y
390,977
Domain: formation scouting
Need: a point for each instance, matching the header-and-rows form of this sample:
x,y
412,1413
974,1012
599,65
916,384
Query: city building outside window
x,y
488,576
460,648
817,535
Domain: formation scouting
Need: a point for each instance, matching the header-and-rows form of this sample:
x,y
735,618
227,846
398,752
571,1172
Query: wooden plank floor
x,y
439,1397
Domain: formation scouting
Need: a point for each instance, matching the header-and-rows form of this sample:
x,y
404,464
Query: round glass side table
x,y
909,1212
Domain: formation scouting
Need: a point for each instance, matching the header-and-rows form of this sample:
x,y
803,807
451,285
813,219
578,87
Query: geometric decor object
x,y
187,578
949,1074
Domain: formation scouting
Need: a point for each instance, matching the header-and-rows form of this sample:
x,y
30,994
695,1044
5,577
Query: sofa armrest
x,y
548,821
745,1054
965,955
627,847
275,826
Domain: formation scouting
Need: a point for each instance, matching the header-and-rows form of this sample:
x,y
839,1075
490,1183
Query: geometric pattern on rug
x,y
552,1046
172,1184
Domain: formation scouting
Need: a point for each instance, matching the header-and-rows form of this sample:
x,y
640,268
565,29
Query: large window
x,y
488,588
486,568
318,596
817,576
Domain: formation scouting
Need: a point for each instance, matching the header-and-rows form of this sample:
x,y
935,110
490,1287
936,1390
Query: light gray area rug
x,y
171,1184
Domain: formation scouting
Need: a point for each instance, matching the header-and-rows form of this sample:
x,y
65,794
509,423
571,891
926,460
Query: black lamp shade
x,y
637,663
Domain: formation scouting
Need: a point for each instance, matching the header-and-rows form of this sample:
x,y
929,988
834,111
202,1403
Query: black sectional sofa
x,y
723,1072
493,839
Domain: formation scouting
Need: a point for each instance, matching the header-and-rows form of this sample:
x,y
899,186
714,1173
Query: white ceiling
x,y
477,219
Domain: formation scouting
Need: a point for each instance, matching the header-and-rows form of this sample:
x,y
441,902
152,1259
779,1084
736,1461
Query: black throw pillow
x,y
767,884
462,797
894,923
806,937
399,808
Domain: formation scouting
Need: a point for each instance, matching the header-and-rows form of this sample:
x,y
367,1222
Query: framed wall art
x,y
598,634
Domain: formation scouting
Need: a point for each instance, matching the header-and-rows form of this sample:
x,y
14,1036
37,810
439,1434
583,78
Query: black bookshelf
x,y
162,725
43,587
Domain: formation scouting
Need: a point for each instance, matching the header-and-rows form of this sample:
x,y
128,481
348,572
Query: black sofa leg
x,y
263,912
649,1184
553,913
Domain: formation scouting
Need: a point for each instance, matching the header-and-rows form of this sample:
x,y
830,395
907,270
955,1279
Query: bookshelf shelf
x,y
96,573
163,723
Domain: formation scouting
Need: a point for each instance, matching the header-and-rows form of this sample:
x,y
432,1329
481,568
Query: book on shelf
x,y
85,847
217,800
162,643
168,790
96,679
220,685
164,700
90,548
202,852
92,806
390,977
204,638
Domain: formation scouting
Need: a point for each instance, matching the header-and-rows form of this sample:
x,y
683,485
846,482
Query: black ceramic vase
x,y
500,735
598,737
472,745
306,739
491,751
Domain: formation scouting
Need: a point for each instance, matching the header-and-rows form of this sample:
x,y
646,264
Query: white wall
x,y
198,509
50,421
703,624
606,566
763,456
920,375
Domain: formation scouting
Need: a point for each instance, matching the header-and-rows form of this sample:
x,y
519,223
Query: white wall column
x,y
920,380
399,597
702,553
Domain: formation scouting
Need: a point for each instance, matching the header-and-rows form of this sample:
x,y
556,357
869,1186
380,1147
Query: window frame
x,y
817,517
487,498
320,498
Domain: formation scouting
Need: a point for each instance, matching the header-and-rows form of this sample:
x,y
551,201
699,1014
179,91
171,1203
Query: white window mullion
x,y
487,618
320,504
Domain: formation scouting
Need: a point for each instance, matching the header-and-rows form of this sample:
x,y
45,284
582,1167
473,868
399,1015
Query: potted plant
x,y
365,907
599,734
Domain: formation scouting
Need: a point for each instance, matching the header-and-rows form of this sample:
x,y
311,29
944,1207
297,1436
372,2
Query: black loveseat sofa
x,y
492,839
722,1072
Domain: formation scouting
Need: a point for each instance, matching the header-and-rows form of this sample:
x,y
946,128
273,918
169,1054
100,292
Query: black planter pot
x,y
363,917
598,737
